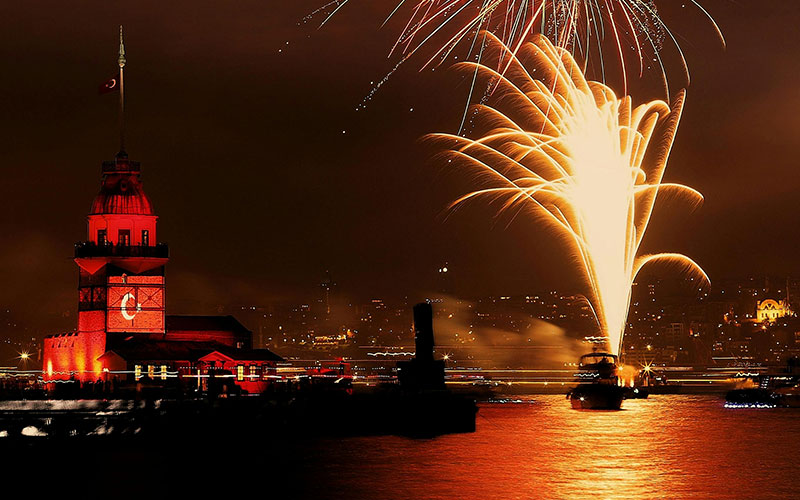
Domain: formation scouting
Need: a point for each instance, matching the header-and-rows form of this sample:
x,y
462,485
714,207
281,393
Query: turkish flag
x,y
112,85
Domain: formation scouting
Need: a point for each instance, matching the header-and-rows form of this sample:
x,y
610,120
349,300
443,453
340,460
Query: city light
x,y
24,357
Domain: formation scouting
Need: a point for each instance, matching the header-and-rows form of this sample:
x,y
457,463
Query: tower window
x,y
101,237
124,237
145,237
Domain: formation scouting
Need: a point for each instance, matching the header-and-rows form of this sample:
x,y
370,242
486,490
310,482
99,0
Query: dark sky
x,y
259,190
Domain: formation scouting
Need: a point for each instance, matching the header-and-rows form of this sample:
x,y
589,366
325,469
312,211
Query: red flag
x,y
112,85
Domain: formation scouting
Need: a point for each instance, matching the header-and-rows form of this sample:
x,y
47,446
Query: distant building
x,y
769,310
674,334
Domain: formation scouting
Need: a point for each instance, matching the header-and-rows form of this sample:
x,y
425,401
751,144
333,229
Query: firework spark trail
x,y
580,26
587,161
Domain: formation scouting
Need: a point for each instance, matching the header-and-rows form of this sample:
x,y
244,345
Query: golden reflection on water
x,y
663,447
610,454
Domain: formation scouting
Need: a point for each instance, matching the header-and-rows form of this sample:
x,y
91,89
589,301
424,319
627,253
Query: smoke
x,y
501,336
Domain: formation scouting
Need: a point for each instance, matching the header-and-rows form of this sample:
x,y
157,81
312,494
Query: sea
x,y
537,447
526,447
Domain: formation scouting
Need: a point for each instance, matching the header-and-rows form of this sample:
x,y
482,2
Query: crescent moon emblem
x,y
124,306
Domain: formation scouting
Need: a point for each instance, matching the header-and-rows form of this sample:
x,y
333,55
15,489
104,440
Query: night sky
x,y
264,175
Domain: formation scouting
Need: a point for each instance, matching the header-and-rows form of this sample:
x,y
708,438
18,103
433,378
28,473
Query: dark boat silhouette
x,y
635,392
599,388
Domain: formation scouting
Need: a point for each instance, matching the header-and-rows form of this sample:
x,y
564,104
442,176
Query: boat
x,y
771,392
599,389
656,383
666,388
778,387
635,392
789,397
751,398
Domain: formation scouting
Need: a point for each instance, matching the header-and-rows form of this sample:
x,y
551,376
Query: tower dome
x,y
121,192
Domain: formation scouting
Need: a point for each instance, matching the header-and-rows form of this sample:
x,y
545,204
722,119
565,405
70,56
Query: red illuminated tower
x,y
122,328
121,269
121,266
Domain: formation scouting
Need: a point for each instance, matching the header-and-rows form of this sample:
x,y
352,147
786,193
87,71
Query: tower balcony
x,y
121,164
84,249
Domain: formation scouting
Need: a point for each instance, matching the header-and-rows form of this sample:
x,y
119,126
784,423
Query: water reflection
x,y
663,447
608,454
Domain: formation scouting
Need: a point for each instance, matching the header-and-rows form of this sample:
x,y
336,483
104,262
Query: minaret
x,y
787,292
121,269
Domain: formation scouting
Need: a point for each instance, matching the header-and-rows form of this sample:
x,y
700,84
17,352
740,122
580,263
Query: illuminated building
x,y
122,321
769,310
121,275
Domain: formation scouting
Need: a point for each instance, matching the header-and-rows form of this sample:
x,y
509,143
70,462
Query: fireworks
x,y
590,163
580,26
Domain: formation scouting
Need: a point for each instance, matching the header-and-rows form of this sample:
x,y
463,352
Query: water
x,y
662,447
676,447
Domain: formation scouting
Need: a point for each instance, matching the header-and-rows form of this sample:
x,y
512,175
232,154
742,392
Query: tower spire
x,y
121,61
787,291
